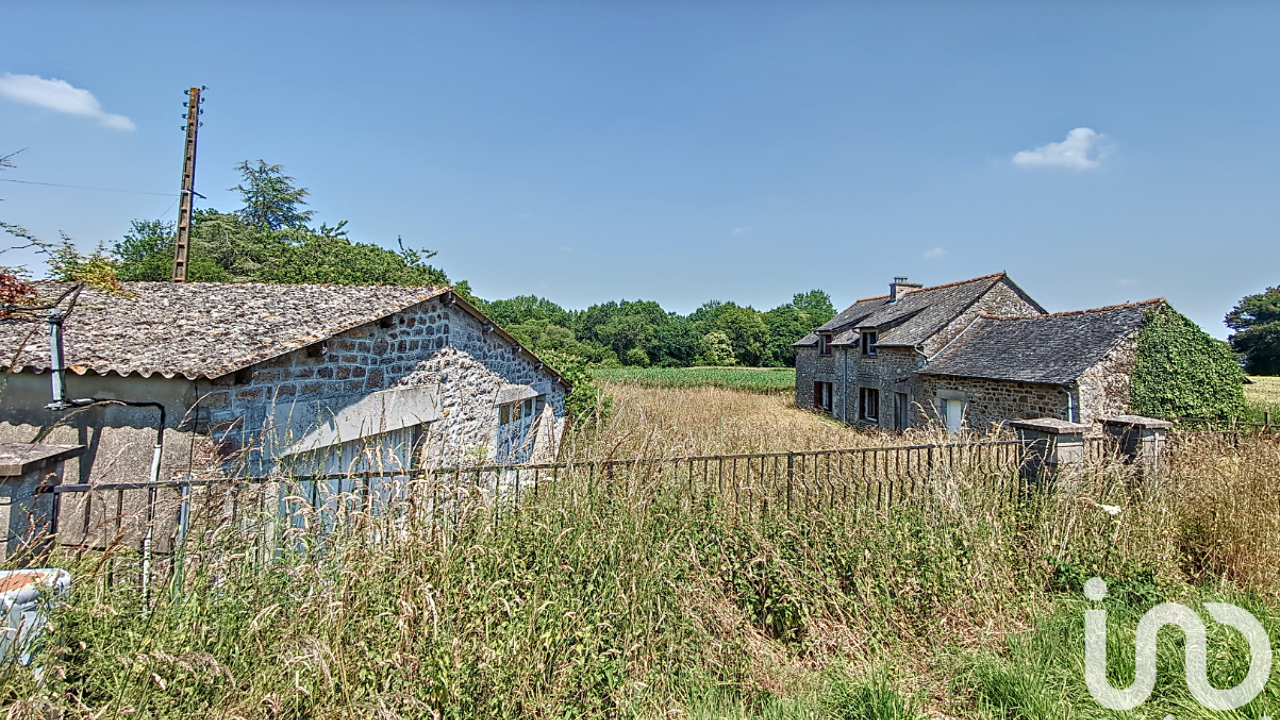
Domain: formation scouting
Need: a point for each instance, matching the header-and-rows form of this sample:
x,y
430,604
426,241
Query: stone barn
x,y
981,352
254,379
1074,366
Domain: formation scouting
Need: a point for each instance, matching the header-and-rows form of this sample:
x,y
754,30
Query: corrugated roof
x,y
915,317
1052,349
197,329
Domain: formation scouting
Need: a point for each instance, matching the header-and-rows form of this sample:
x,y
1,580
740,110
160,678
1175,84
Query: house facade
x,y
969,354
258,379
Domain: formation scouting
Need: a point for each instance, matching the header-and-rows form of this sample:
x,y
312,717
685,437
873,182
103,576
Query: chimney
x,y
900,287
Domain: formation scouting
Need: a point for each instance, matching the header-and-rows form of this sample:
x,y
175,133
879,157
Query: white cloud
x,y
741,230
61,96
934,254
1126,282
1070,153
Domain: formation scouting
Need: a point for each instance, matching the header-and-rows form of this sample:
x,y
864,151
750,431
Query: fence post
x,y
29,475
1049,445
791,473
1139,440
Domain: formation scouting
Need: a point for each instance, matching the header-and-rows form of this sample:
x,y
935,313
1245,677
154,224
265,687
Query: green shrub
x,y
1183,372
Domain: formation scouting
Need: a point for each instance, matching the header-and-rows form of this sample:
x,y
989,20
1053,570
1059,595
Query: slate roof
x,y
914,318
197,330
1050,349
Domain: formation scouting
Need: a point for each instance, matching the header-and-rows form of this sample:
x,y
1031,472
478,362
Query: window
x,y
517,430
822,396
824,344
900,407
951,410
869,342
869,404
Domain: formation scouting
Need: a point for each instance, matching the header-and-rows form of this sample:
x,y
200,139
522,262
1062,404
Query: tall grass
x,y
653,422
643,598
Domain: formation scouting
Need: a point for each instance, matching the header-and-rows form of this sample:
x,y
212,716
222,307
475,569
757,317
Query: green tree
x,y
643,324
585,403
716,349
791,322
542,336
747,333
327,255
271,200
524,308
1256,320
146,253
268,240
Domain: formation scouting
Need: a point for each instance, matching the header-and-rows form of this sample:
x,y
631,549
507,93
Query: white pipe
x,y
57,361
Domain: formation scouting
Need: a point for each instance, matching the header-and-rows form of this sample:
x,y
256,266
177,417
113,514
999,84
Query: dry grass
x,y
1227,503
1264,393
592,603
655,422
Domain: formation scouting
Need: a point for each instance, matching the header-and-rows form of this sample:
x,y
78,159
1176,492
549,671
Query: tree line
x,y
642,333
271,239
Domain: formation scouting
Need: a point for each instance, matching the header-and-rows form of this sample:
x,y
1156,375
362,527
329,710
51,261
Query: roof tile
x,y
198,329
1051,349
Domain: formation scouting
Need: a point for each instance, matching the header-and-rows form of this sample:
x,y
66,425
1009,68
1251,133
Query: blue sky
x,y
687,151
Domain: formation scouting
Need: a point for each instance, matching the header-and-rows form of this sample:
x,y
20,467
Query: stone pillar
x,y
26,516
1049,446
1139,440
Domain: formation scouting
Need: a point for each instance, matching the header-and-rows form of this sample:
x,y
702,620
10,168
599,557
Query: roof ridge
x,y
912,291
1068,313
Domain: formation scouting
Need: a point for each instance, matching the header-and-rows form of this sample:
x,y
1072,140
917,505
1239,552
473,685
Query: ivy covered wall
x,y
1181,370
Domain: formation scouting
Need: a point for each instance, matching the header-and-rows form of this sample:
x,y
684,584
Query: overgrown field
x,y
763,380
656,422
652,598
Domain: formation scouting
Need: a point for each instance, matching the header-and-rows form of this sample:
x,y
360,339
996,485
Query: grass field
x,y
764,380
1263,394
636,601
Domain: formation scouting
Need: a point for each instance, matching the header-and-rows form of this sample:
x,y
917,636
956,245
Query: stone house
x,y
254,378
968,354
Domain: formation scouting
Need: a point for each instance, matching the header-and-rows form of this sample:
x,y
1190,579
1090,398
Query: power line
x,y
82,187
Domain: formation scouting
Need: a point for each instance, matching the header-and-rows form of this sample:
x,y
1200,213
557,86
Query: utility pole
x,y
188,187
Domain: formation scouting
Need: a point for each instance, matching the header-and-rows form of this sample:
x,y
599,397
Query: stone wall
x,y
993,402
812,367
1104,388
893,369
433,345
